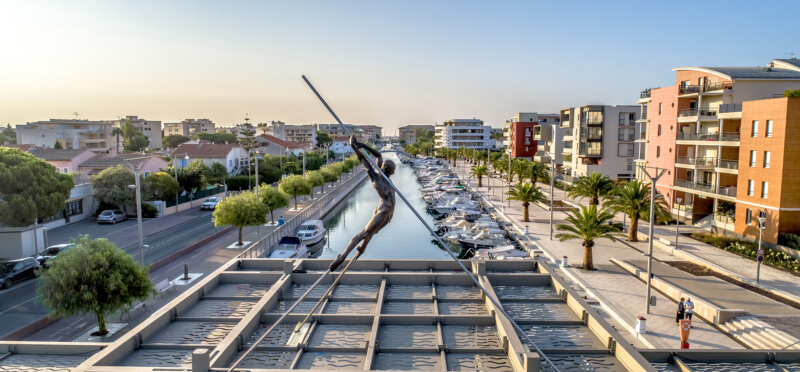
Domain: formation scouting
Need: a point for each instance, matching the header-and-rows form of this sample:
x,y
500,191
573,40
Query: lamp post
x,y
552,194
760,256
653,190
677,221
257,154
175,165
509,180
138,205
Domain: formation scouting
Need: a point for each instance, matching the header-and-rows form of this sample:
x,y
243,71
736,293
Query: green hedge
x,y
789,240
749,249
149,211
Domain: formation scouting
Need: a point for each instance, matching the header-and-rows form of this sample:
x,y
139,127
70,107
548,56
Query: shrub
x,y
236,183
149,211
789,240
103,206
749,249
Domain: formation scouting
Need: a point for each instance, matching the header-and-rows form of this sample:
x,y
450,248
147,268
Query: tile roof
x,y
56,154
792,61
21,147
103,161
205,150
280,142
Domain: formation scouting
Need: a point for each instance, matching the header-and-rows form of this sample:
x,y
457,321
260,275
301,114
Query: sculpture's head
x,y
388,167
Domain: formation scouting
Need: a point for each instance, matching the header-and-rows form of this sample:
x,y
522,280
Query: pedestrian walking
x,y
689,306
280,221
681,312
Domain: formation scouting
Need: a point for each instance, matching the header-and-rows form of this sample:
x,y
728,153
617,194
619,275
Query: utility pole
x,y
653,191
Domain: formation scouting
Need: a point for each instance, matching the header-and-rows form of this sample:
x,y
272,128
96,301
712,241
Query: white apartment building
x,y
470,133
71,133
599,138
189,127
294,133
150,128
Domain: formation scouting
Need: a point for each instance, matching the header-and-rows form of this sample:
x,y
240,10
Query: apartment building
x,y
599,138
457,133
722,135
189,127
371,133
408,133
150,128
293,133
71,133
335,130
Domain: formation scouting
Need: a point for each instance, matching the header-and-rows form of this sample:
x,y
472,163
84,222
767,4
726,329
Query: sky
x,y
388,63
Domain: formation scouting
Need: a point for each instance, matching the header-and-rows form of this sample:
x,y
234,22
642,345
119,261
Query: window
x,y
764,189
660,108
752,158
750,186
754,133
659,130
64,170
766,159
74,207
658,151
762,214
632,117
769,128
629,165
622,118
749,216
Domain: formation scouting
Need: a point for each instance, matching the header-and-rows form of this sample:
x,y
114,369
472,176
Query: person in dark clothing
x,y
681,312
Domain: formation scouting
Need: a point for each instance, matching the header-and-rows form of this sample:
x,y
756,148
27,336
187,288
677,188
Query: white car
x,y
210,203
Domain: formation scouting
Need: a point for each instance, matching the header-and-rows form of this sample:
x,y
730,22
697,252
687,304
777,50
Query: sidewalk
x,y
620,293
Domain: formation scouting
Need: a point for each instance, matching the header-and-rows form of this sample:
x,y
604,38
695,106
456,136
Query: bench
x,y
163,286
132,309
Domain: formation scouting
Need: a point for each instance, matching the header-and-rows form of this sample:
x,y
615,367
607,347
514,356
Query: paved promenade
x,y
623,295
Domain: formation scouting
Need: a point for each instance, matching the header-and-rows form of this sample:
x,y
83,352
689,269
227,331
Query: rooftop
x,y
56,154
205,150
755,73
103,161
280,142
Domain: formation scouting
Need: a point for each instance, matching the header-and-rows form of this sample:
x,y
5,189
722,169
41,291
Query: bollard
x,y
564,261
526,230
641,325
503,210
200,360
531,362
186,271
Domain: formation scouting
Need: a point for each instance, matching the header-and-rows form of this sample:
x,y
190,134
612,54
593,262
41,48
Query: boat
x,y
483,239
311,232
504,252
290,247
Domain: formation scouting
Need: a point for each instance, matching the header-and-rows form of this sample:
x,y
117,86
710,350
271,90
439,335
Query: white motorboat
x,y
504,252
483,239
311,232
290,247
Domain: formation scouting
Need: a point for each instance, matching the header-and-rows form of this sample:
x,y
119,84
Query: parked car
x,y
210,203
51,252
110,216
15,271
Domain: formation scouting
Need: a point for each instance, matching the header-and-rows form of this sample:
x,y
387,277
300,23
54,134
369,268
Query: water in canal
x,y
404,238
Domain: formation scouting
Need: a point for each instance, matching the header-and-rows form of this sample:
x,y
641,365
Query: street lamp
x,y
257,154
760,256
174,165
552,191
138,204
677,221
653,190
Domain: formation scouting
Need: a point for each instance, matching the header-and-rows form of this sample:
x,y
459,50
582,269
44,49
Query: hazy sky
x,y
388,63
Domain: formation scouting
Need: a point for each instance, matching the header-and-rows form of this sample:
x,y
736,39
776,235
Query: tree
x,y
30,188
588,224
160,186
538,172
217,170
525,193
132,140
501,165
57,146
633,199
496,135
240,210
273,199
111,186
248,139
174,140
479,171
323,138
520,168
315,178
295,186
593,186
792,93
193,176
94,277
329,175
116,131
223,138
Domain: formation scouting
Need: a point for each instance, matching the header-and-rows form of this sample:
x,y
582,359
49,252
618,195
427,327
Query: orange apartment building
x,y
722,133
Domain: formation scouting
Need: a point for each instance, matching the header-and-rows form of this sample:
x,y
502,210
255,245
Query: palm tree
x,y
117,131
588,224
479,171
539,172
520,168
633,199
592,186
525,193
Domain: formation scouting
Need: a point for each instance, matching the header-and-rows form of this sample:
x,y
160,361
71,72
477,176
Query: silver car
x,y
210,203
110,216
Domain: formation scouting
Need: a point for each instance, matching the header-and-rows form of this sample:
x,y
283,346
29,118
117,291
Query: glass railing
x,y
642,135
730,136
695,186
685,89
687,112
730,107
644,94
728,164
703,161
722,85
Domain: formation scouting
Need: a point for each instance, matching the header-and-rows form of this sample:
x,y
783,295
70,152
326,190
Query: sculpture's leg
x,y
353,242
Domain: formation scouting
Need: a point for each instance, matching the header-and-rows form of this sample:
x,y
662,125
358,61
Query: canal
x,y
404,238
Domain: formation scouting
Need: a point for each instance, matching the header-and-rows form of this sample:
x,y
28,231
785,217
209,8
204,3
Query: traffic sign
x,y
760,258
760,252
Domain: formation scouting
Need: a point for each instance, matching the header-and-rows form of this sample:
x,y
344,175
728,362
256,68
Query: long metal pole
x,y
256,156
139,215
552,194
758,268
653,190
177,194
452,255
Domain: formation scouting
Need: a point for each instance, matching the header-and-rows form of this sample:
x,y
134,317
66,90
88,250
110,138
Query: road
x,y
19,305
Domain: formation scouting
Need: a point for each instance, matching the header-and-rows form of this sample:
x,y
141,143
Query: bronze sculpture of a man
x,y
383,214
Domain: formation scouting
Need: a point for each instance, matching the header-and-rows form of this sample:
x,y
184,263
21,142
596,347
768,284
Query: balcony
x,y
722,85
690,89
703,162
723,192
728,166
630,137
704,187
644,94
730,111
723,137
642,136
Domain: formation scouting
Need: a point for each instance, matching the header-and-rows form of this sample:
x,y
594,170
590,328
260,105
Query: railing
x,y
706,161
643,116
730,107
728,164
685,89
695,186
730,136
708,112
687,112
642,135
644,94
629,137
722,85
682,207
263,247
